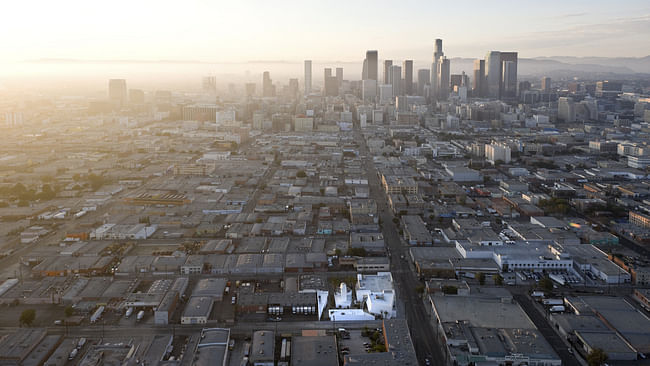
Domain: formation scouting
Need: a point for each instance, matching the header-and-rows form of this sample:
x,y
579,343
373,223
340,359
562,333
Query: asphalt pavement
x,y
425,341
547,330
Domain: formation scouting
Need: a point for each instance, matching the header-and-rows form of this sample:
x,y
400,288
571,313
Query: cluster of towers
x,y
492,77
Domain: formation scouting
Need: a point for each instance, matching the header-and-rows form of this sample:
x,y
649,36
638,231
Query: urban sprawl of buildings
x,y
409,217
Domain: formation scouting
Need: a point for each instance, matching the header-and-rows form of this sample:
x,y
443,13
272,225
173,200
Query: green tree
x,y
379,348
481,278
498,279
597,357
450,290
357,252
27,317
301,174
96,181
546,284
46,193
69,311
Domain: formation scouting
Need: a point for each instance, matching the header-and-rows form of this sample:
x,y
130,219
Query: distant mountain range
x,y
566,66
554,66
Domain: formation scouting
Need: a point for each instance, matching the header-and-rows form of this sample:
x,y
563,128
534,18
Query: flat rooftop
x,y
314,351
482,312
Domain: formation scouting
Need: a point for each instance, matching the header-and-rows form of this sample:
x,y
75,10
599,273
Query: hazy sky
x,y
239,30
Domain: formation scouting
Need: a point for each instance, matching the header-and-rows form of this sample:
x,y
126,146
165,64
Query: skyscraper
x,y
395,76
509,75
408,77
372,64
566,110
455,81
501,74
268,89
546,84
443,78
493,73
117,91
387,65
478,85
424,78
307,77
368,90
331,86
437,54
327,73
339,75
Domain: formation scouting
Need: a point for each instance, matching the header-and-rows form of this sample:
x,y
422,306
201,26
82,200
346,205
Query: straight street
x,y
424,338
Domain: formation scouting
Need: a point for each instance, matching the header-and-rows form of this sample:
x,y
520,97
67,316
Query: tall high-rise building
x,y
407,69
443,77
268,89
327,73
523,87
395,76
369,90
385,93
493,73
331,88
546,84
456,81
437,51
509,75
424,78
364,70
566,110
437,54
387,65
117,91
501,74
339,75
372,65
307,77
478,85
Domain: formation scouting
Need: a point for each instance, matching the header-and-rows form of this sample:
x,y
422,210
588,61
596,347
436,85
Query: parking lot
x,y
355,343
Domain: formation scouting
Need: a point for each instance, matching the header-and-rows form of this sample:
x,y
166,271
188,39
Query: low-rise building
x,y
197,310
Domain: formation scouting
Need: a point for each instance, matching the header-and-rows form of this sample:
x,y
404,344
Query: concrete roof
x,y
481,312
198,306
263,346
314,351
